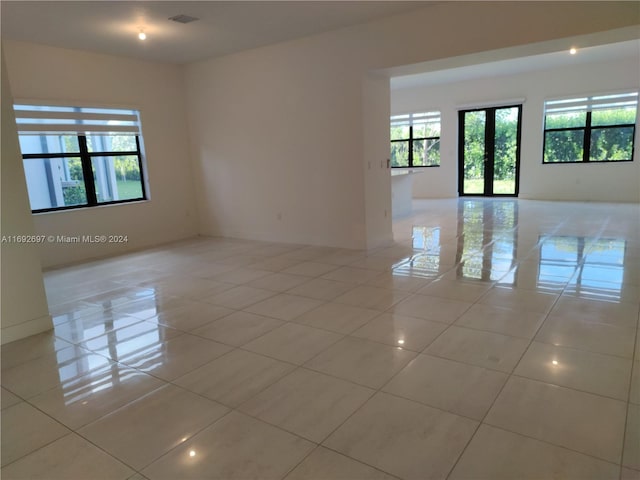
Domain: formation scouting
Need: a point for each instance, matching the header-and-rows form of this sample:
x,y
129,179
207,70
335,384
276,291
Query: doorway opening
x,y
489,151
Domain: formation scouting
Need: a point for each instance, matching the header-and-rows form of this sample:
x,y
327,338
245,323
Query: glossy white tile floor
x,y
494,340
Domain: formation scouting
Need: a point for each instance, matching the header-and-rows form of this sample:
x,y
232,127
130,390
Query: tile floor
x,y
496,339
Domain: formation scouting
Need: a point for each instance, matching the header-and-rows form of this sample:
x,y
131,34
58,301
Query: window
x,y
80,157
590,129
415,140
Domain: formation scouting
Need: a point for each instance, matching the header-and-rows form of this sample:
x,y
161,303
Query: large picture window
x,y
590,129
415,140
80,157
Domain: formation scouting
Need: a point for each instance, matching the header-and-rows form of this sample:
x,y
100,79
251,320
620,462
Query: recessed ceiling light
x,y
573,51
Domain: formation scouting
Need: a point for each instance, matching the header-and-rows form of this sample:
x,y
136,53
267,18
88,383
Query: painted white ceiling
x,y
223,27
528,63
226,27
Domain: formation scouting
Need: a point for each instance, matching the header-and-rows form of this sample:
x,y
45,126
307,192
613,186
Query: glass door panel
x,y
505,151
474,152
489,151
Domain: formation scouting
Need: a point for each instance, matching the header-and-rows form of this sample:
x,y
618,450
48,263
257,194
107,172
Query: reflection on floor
x,y
495,339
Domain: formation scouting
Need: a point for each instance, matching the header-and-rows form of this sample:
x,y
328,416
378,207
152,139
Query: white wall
x,y
24,308
72,77
277,132
277,142
376,138
607,182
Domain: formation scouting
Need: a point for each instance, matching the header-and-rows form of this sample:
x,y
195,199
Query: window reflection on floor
x,y
489,238
113,335
426,263
593,267
485,248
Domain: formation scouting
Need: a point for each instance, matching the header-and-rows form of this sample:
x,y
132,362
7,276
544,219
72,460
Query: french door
x,y
489,151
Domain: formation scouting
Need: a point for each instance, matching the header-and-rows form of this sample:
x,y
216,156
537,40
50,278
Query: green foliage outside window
x,y
611,135
76,195
505,144
417,142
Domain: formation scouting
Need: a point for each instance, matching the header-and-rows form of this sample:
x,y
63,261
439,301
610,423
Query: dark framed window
x,y
415,140
76,157
590,129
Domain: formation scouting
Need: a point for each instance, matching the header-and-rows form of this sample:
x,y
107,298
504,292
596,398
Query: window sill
x,y
94,207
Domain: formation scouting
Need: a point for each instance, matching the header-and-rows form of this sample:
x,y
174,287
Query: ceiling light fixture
x,y
573,50
142,35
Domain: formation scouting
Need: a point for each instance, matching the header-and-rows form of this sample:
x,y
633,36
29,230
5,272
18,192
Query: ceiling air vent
x,y
183,18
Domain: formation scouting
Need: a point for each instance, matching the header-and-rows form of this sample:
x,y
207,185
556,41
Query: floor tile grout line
x,y
231,409
320,443
379,390
72,431
495,399
534,339
116,409
192,332
227,405
330,302
447,327
233,348
497,395
105,451
424,404
288,361
626,418
546,382
556,445
478,329
375,391
90,372
79,343
511,375
237,410
175,447
343,455
360,407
